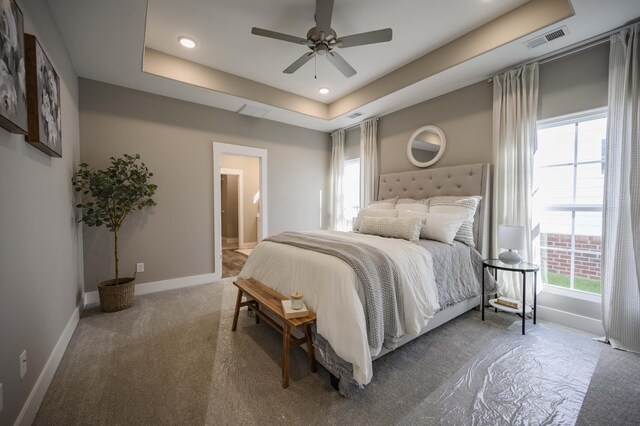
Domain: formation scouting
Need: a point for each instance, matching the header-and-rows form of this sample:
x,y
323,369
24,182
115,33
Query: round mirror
x,y
426,146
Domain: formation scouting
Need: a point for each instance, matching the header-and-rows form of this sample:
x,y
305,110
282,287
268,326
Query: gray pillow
x,y
383,204
458,205
374,213
407,228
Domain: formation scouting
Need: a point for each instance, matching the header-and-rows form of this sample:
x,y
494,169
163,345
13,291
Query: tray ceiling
x,y
107,42
223,32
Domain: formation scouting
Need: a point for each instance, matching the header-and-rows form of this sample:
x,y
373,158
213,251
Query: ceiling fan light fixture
x,y
322,39
187,42
323,90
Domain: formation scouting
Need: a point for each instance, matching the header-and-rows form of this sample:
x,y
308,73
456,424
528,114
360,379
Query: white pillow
x,y
389,204
466,205
407,228
412,205
372,212
441,227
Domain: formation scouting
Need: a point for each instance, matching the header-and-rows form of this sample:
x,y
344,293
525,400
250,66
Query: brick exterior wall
x,y
587,265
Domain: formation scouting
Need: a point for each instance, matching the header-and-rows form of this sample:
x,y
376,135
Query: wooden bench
x,y
271,300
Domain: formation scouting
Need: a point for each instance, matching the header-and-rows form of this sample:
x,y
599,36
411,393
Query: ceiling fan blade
x,y
324,10
371,37
342,65
277,36
298,63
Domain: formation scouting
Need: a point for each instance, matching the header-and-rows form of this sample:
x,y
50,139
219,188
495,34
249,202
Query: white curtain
x,y
515,106
336,196
621,210
368,161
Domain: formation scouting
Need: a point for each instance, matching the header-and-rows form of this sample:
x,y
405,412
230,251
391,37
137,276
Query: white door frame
x,y
240,189
220,149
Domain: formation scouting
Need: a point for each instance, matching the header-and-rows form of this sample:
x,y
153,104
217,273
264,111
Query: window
x,y
567,199
351,192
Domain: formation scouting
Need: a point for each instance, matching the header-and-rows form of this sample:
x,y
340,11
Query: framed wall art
x,y
13,98
43,100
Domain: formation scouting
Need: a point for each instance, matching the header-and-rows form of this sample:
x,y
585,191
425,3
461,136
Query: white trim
x,y
92,298
440,153
576,294
567,319
220,149
31,405
248,245
240,192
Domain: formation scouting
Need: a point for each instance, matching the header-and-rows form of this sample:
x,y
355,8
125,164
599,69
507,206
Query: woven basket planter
x,y
117,297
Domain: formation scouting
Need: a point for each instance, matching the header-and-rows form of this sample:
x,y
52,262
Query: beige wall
x,y
251,185
575,83
463,115
175,238
40,281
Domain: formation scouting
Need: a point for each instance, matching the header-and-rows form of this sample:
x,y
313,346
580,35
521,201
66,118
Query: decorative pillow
x,y
383,204
372,212
407,228
412,205
437,226
466,205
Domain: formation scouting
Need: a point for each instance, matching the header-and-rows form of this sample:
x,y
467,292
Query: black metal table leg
x,y
495,278
524,299
482,294
535,296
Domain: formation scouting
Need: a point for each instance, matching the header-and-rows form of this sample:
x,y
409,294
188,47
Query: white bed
x,y
330,285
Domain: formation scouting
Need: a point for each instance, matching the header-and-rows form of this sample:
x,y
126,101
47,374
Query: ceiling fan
x,y
322,39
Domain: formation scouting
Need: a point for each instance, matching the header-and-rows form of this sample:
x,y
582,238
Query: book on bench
x,y
509,303
290,313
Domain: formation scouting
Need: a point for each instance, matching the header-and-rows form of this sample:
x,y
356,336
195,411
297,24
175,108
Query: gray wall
x,y
250,186
175,238
40,281
463,115
575,83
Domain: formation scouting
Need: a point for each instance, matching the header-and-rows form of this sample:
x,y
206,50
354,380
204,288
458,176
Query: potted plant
x,y
109,196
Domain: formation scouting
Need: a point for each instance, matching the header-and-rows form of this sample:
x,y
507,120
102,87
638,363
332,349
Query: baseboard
x,y
92,298
226,240
567,319
248,245
30,408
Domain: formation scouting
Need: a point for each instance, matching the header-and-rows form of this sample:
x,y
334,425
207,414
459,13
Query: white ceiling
x,y
106,39
223,32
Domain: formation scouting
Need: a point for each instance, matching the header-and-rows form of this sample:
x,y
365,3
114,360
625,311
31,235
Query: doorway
x,y
240,197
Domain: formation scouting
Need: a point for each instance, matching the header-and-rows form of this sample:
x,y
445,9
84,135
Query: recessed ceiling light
x,y
323,90
187,42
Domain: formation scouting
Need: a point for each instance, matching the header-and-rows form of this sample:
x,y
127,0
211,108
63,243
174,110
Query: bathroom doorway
x,y
239,203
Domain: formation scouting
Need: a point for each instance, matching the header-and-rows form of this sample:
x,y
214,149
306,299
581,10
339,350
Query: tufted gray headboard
x,y
472,179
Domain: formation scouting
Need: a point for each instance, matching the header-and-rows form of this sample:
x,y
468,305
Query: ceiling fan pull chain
x,y
315,67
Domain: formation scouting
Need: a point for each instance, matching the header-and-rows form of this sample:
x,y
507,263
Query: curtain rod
x,y
353,126
570,50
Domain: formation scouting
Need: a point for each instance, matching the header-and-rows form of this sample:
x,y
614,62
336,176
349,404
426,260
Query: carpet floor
x,y
172,359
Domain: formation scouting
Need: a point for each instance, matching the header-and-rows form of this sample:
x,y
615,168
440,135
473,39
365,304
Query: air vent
x,y
548,37
253,111
354,115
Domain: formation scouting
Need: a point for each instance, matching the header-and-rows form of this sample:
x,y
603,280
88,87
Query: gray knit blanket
x,y
377,278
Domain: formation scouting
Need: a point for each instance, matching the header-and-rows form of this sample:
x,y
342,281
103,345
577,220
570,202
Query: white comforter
x,y
330,290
